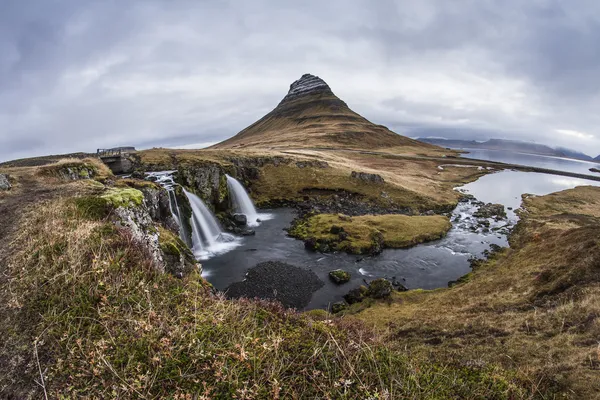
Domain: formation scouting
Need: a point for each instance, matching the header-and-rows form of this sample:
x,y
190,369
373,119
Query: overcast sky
x,y
76,75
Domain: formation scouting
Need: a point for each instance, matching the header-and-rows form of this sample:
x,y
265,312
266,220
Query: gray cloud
x,y
76,75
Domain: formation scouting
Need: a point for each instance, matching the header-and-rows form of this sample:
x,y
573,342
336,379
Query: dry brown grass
x,y
534,308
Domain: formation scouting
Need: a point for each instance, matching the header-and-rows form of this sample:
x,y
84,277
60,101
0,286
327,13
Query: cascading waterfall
x,y
208,238
242,203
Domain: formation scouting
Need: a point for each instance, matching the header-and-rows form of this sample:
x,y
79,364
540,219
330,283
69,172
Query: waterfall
x,y
242,203
208,239
205,227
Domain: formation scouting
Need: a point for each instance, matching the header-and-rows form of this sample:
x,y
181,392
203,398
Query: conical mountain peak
x,y
306,85
310,115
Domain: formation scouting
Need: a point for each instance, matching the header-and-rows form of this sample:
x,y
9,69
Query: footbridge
x,y
117,159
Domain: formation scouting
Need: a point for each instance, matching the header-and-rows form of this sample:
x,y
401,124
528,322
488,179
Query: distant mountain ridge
x,y
310,115
510,145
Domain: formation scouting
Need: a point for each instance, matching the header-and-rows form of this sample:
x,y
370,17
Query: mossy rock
x,y
380,289
356,295
123,197
339,276
339,307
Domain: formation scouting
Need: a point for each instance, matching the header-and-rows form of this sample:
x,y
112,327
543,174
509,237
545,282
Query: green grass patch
x,y
361,234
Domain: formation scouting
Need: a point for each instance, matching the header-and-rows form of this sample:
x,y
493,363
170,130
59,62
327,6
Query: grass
x,y
360,234
290,183
81,168
532,308
82,306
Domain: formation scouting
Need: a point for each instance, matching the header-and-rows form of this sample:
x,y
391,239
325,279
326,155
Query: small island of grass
x,y
367,234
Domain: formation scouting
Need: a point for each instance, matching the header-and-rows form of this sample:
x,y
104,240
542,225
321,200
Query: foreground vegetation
x,y
368,233
532,308
85,313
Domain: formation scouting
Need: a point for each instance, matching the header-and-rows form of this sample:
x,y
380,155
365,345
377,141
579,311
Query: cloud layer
x,y
76,75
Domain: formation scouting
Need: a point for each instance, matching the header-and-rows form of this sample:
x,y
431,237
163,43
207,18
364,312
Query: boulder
x,y
338,307
380,288
240,219
4,182
490,210
339,276
312,164
366,177
356,295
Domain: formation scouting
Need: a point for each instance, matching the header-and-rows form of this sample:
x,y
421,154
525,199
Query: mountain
x,y
310,115
597,158
509,145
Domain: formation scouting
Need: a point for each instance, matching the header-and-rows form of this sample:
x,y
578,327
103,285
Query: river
x,y
426,266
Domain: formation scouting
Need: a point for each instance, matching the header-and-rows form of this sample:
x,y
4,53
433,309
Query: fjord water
x,y
533,160
427,266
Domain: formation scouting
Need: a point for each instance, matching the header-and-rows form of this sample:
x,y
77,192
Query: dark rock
x,y
338,307
377,243
356,295
312,164
398,286
139,175
380,288
490,210
240,219
366,177
339,276
594,170
292,286
335,230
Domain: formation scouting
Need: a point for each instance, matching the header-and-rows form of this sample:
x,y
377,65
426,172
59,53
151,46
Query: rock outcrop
x,y
5,182
366,177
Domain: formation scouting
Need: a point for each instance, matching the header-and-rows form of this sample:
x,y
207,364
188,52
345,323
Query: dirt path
x,y
12,204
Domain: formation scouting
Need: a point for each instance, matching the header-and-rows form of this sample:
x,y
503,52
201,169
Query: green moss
x,y
171,244
339,276
223,189
119,197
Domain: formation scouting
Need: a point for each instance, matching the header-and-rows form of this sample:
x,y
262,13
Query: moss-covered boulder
x,y
379,289
338,307
356,295
339,276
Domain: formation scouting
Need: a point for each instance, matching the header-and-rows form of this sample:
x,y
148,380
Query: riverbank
x,y
531,306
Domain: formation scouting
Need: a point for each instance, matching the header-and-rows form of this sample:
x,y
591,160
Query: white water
x,y
242,203
208,239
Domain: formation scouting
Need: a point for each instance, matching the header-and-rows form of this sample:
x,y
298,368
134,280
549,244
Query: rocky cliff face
x,y
305,86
